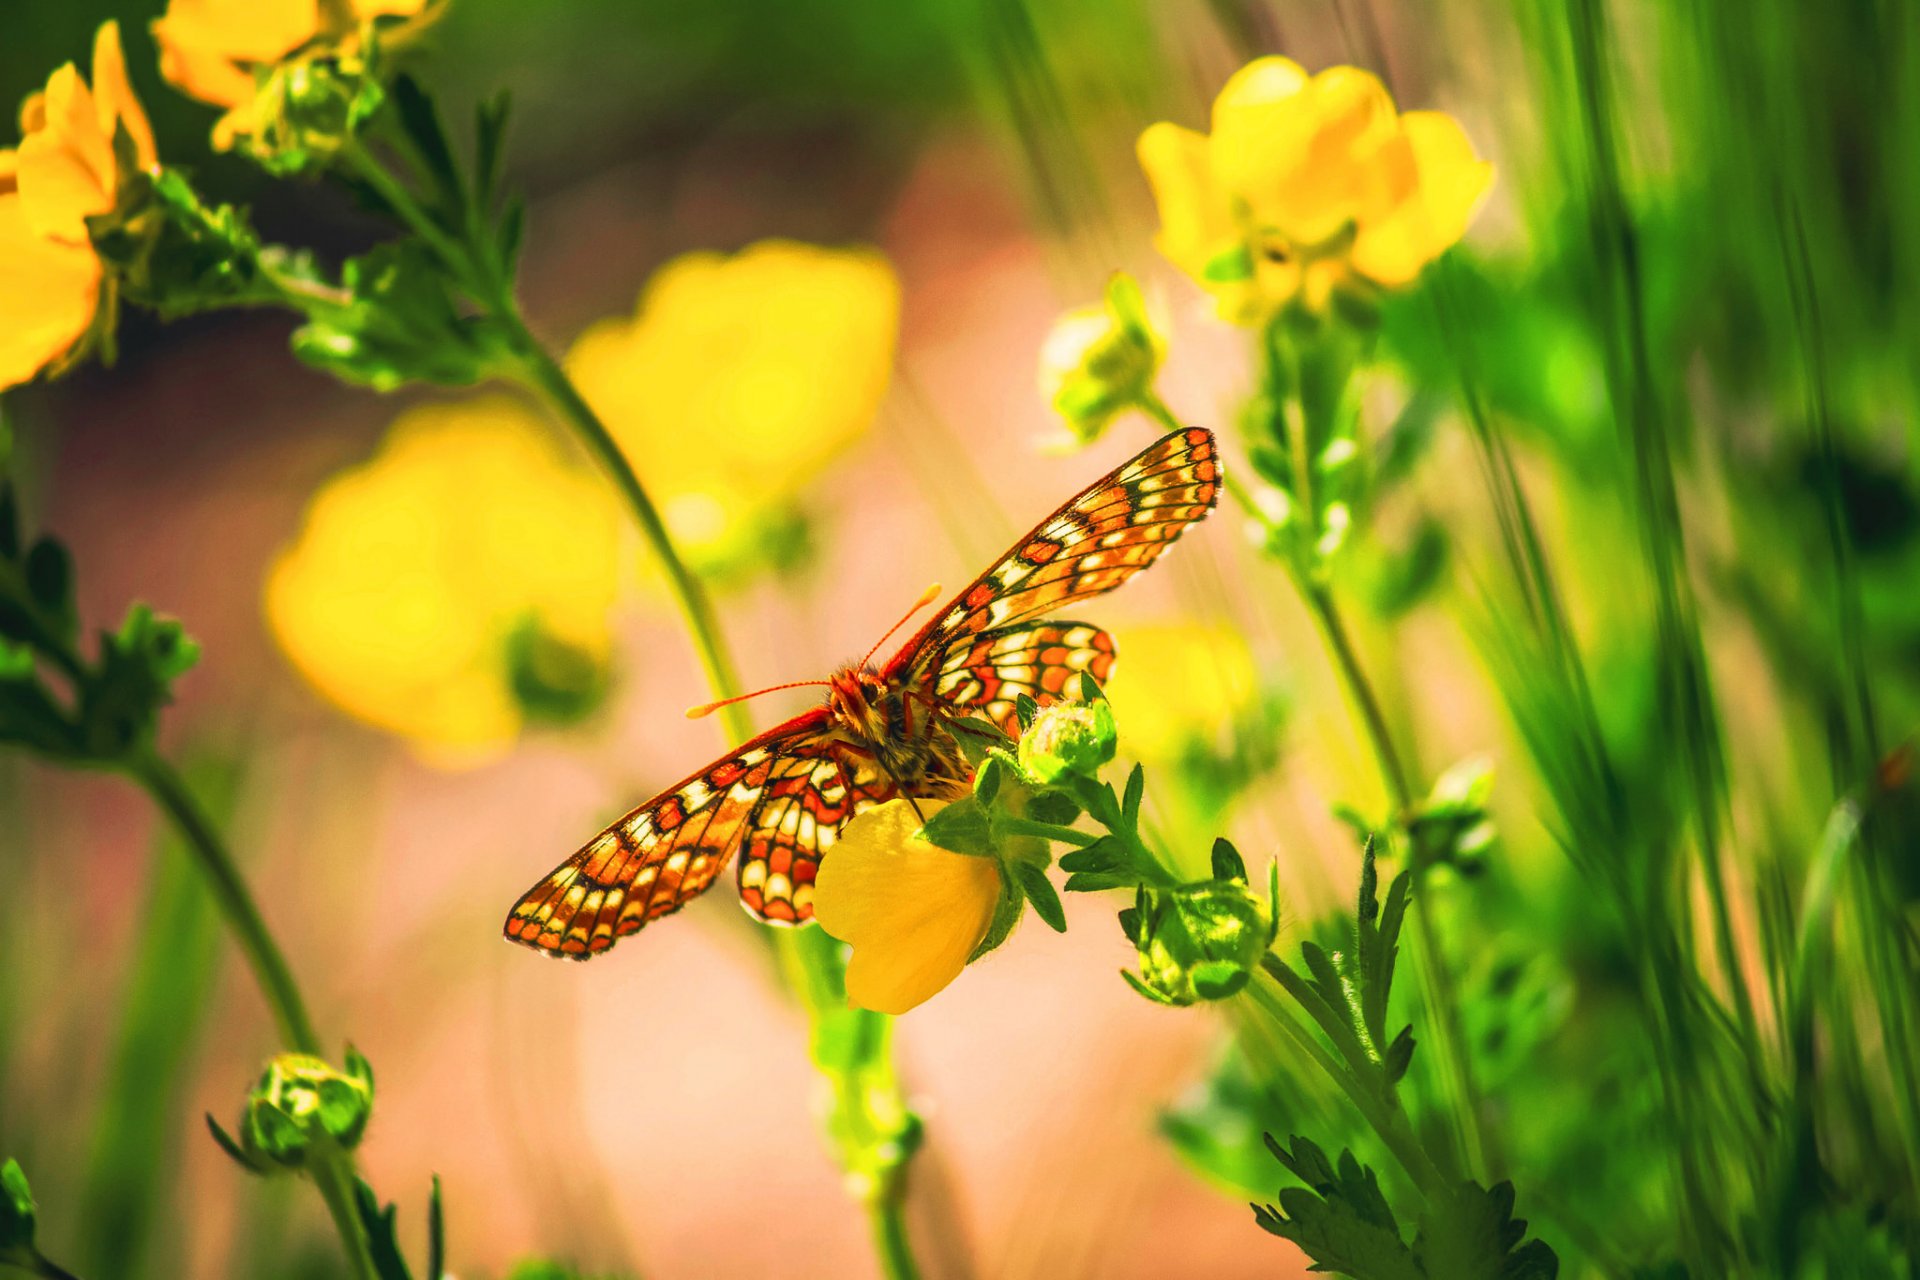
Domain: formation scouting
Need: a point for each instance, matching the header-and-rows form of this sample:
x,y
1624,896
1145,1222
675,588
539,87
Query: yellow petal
x,y
369,9
206,46
48,293
113,95
1449,183
1196,224
912,912
66,167
1300,160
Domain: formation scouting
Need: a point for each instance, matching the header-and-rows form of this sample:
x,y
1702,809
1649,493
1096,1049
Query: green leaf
x,y
121,701
489,146
1227,863
1135,792
965,826
402,323
1024,710
49,577
1340,1219
1040,892
436,1233
1472,1233
1007,910
18,1213
1228,266
420,120
382,1241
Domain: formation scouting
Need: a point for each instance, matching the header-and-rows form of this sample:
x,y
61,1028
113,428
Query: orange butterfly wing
x,y
1101,537
1105,534
807,803
666,852
988,672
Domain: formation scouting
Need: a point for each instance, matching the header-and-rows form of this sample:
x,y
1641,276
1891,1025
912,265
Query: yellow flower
x,y
912,911
453,584
1307,183
221,51
1177,682
52,285
740,377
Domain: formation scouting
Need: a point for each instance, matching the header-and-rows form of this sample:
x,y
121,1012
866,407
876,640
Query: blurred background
x,y
653,1112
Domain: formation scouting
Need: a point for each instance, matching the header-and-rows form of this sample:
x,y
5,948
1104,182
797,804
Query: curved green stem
x,y
542,374
333,1173
270,970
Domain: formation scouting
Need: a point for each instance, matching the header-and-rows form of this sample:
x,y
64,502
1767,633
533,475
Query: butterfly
x,y
883,731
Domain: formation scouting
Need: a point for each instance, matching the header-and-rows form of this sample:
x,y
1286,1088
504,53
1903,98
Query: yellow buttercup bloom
x,y
220,51
455,583
66,170
912,911
740,377
1307,183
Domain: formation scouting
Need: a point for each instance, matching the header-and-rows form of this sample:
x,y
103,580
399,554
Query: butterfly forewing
x,y
1104,535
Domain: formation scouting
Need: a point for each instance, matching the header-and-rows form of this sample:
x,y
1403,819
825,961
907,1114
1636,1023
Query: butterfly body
x,y
782,799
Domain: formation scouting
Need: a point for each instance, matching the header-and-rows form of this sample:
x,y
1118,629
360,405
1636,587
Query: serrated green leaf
x,y
1340,1219
1471,1233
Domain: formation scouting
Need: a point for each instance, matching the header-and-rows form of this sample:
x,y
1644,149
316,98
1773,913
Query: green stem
x,y
1382,1113
270,970
543,375
332,1174
890,1240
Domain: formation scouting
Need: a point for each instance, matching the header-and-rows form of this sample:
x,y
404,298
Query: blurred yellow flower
x,y
1306,183
455,583
66,170
221,51
740,377
912,911
1101,360
1175,682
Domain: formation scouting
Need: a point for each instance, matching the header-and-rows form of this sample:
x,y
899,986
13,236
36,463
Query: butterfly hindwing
x,y
805,806
989,671
665,853
1104,535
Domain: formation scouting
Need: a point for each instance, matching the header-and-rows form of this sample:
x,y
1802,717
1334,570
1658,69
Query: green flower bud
x,y
299,1105
303,113
1101,360
1067,740
1198,941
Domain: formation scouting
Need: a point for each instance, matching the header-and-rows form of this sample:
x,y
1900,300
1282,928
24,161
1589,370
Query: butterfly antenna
x,y
708,708
927,597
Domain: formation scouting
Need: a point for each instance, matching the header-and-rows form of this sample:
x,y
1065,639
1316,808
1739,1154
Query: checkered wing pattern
x,y
668,851
806,804
1112,530
987,672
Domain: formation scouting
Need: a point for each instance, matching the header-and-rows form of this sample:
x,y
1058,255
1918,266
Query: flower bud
x,y
302,114
1101,360
299,1104
1198,941
1067,740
